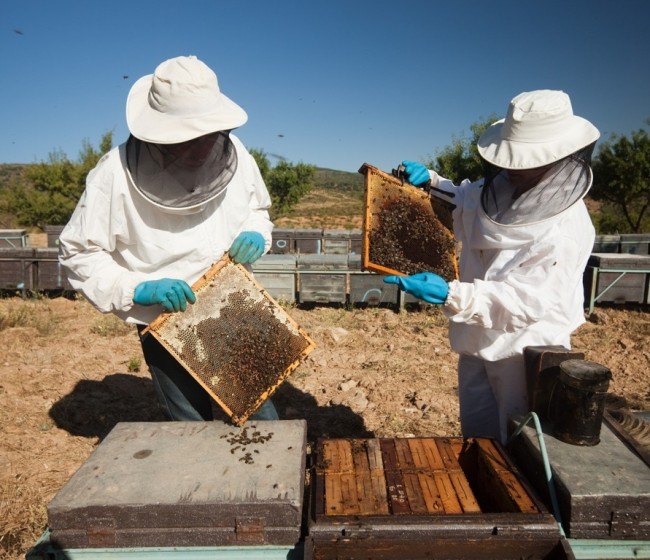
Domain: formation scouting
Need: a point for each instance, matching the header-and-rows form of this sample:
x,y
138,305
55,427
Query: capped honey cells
x,y
235,340
403,233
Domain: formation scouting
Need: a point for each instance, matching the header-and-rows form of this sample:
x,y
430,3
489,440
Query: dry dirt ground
x,y
69,374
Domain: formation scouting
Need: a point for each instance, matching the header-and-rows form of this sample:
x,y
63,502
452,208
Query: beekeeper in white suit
x,y
525,237
161,208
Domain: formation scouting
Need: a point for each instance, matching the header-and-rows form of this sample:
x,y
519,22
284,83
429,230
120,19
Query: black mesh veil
x,y
510,201
182,176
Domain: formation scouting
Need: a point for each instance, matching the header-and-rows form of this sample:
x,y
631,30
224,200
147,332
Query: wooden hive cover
x,y
235,340
166,484
603,490
403,233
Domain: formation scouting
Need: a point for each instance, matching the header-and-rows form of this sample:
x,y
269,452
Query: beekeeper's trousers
x,y
489,394
180,396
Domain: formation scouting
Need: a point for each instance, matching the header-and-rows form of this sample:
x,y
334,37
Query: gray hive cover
x,y
603,490
186,484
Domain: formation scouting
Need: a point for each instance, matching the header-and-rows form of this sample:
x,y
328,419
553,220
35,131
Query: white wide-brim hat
x,y
539,129
180,101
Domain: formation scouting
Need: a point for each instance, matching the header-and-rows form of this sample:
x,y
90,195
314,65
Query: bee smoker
x,y
580,401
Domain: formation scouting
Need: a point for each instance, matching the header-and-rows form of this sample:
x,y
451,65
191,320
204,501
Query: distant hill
x,y
342,180
335,202
323,177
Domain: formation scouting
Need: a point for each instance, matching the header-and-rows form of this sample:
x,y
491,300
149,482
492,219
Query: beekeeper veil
x,y
537,159
179,154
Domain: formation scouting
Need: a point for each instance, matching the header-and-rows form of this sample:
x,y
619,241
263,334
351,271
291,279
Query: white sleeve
x,y
259,199
539,280
86,248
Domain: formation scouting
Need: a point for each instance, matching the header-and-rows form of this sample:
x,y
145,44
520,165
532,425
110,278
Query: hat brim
x,y
150,125
509,154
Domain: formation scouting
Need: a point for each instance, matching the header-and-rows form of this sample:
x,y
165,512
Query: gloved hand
x,y
424,285
247,247
416,173
172,294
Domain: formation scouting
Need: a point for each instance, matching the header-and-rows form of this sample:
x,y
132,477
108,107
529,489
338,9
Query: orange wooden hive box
x,y
425,497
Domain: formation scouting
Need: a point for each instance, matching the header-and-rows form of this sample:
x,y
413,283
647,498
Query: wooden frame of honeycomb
x,y
235,340
405,231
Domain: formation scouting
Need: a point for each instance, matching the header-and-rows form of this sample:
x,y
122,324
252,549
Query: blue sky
x,y
334,83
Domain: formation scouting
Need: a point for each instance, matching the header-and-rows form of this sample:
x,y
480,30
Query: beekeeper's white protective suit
x,y
117,238
525,237
520,285
161,209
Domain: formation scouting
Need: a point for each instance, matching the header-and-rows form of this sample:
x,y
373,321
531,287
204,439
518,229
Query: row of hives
x,y
309,278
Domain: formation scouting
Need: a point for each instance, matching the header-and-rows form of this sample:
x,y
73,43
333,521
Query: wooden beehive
x,y
603,491
403,232
185,484
406,497
235,340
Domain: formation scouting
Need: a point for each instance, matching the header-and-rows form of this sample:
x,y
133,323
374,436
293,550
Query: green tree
x,y
460,160
47,192
622,183
287,183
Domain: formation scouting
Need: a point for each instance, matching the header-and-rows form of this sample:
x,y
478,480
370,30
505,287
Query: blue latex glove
x,y
416,173
425,285
247,247
172,294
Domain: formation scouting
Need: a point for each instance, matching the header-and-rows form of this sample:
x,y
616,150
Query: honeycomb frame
x,y
234,326
422,241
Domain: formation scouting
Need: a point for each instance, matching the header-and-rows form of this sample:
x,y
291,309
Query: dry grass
x,y
22,506
21,314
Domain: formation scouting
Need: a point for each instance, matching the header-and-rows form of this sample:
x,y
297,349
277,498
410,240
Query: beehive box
x,y
336,241
277,274
50,273
308,241
424,498
369,289
635,243
174,484
282,241
322,278
17,269
627,283
236,341
603,491
356,241
13,238
402,232
53,234
607,244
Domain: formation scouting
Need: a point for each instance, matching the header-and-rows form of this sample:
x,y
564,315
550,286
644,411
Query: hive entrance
x,y
403,233
236,341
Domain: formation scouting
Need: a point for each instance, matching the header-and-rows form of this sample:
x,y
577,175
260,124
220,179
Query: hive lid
x,y
185,484
405,231
235,340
